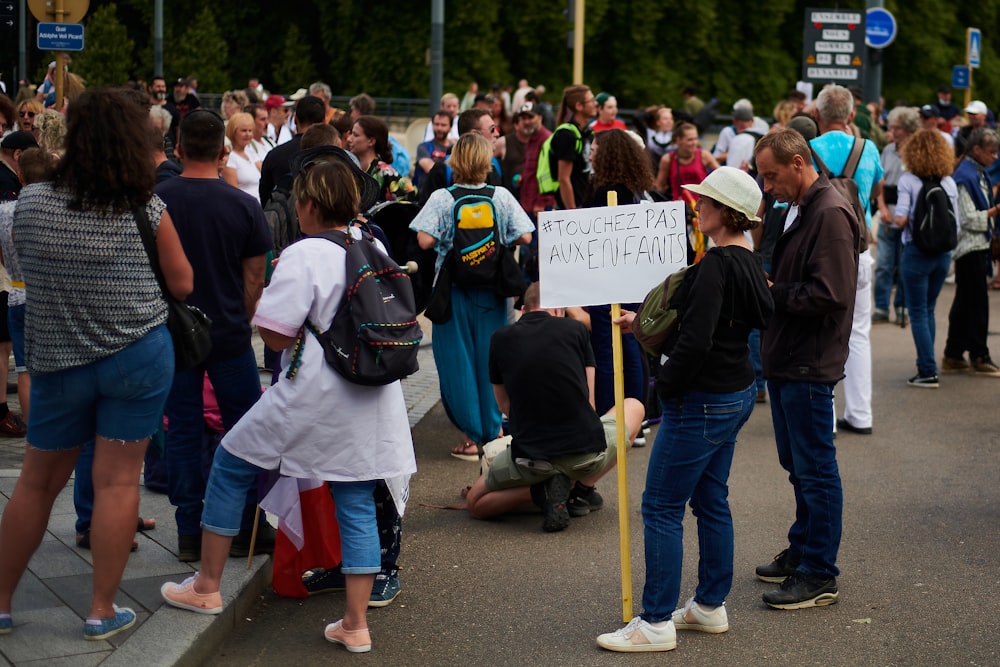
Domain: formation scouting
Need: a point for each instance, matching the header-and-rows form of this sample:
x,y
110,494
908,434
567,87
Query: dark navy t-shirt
x,y
219,226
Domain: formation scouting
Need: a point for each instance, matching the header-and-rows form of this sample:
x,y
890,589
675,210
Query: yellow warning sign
x,y
856,62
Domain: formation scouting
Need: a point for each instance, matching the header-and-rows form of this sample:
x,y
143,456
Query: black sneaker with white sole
x,y
924,381
779,569
583,500
802,591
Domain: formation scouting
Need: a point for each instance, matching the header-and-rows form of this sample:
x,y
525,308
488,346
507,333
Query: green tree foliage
x,y
643,51
294,68
204,53
108,53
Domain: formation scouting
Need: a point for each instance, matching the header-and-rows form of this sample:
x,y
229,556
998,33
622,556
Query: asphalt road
x,y
920,580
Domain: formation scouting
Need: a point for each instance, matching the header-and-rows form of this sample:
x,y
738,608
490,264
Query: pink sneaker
x,y
184,596
355,641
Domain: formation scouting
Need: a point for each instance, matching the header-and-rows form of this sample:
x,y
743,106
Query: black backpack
x,y
374,336
933,222
847,187
476,247
282,220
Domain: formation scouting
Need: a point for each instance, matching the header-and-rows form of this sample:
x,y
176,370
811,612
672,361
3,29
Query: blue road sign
x,y
960,77
975,47
880,28
60,36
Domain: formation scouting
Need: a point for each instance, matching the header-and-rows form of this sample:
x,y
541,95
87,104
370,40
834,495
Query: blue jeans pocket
x,y
147,363
720,421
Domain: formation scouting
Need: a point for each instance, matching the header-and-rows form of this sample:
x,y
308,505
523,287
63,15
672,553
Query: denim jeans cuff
x,y
361,570
224,532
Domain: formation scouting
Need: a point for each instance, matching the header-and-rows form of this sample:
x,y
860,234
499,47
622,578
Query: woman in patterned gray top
x,y
97,347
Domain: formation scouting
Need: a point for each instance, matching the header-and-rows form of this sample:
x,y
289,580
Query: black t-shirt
x,y
564,147
187,105
10,184
541,360
276,171
219,226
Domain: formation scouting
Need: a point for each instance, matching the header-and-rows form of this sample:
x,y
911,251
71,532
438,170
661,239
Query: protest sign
x,y
612,254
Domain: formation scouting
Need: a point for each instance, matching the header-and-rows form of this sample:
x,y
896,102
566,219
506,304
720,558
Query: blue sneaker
x,y
384,590
102,628
325,581
6,624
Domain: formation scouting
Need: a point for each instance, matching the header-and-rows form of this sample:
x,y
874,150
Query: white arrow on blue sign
x,y
880,28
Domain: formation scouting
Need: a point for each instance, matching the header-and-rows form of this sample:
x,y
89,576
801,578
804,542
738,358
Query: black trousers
x,y
969,318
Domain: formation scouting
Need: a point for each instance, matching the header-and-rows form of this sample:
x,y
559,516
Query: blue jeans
x,y
690,461
923,276
232,478
803,432
237,387
887,273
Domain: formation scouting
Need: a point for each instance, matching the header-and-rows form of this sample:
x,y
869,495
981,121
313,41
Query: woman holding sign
x,y
707,390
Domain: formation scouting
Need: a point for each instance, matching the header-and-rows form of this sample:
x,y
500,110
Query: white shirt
x,y
318,425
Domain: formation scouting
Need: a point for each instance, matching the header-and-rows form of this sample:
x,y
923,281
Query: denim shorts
x,y
119,397
15,326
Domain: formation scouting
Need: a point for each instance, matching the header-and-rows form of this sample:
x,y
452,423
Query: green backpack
x,y
658,317
548,182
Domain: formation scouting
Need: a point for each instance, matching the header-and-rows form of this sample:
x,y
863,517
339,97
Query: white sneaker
x,y
692,616
639,636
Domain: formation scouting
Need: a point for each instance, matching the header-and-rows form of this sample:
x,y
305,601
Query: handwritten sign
x,y
615,254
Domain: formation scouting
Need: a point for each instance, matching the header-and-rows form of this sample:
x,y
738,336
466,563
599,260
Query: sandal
x,y
83,541
466,451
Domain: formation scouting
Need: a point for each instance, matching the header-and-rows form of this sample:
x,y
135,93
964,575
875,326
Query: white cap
x,y
732,187
976,107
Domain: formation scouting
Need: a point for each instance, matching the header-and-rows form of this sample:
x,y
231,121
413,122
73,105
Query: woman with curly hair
x,y
101,358
27,111
925,155
51,133
621,166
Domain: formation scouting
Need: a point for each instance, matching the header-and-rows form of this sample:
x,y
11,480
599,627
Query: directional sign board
x,y
960,77
60,37
880,28
8,15
834,47
974,47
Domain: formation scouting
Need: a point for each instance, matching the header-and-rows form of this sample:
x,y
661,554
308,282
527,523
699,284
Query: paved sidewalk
x,y
52,600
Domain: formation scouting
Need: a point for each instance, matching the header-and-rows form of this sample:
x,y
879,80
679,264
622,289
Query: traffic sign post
x,y
880,28
973,56
60,37
960,77
833,47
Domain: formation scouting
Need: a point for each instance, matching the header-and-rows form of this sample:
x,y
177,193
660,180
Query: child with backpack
x,y
925,209
472,226
314,423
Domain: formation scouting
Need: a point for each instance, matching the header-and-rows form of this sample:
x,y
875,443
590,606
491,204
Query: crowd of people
x,y
777,309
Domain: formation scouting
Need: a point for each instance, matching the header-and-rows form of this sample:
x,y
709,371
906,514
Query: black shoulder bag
x,y
188,326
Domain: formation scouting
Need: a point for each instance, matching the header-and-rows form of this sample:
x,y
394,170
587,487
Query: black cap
x,y
19,141
368,187
929,111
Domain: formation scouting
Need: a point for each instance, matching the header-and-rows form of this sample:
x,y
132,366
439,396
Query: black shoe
x,y
325,581
844,425
556,494
924,381
801,591
583,500
189,548
240,548
779,569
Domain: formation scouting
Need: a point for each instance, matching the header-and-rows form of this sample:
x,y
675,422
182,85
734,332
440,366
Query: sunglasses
x,y
27,114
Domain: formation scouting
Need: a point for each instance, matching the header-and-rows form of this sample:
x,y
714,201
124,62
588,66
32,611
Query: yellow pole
x,y
968,63
60,73
623,526
578,42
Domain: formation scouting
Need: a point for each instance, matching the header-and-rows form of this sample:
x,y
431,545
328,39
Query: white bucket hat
x,y
733,187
